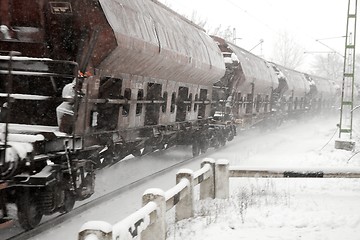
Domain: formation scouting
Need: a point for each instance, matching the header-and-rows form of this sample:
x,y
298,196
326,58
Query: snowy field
x,y
258,208
282,208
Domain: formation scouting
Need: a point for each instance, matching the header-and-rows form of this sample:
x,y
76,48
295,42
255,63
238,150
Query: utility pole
x,y
234,36
347,94
260,43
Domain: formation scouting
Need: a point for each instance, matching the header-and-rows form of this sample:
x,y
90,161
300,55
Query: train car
x,y
248,85
298,92
306,93
325,91
85,83
254,91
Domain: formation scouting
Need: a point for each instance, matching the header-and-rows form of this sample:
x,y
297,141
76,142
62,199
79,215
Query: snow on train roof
x,y
324,86
296,81
256,70
154,42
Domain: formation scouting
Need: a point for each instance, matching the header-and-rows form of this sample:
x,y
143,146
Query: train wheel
x,y
136,153
105,159
204,145
147,150
69,201
231,135
196,149
222,140
29,211
216,142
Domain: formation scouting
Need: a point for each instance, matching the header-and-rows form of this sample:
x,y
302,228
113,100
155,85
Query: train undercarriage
x,y
54,181
43,184
200,135
42,170
48,164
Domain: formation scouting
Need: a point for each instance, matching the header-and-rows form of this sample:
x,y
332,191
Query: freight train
x,y
84,83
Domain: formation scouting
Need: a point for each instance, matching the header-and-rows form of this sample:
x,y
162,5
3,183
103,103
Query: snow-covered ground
x,y
258,208
282,208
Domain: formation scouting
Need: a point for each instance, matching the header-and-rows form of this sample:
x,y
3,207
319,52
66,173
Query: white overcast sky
x,y
305,20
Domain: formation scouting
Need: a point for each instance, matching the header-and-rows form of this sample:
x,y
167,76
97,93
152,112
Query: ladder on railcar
x,y
347,93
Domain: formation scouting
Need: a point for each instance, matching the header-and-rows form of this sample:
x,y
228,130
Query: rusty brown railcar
x,y
85,83
251,83
254,91
299,93
325,92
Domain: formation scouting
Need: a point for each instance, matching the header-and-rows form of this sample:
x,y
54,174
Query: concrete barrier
x,y
149,222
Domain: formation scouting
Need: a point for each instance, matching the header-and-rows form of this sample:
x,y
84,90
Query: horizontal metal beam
x,y
294,173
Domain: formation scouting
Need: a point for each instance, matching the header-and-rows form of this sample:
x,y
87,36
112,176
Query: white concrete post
x,y
185,207
222,179
95,230
207,187
157,230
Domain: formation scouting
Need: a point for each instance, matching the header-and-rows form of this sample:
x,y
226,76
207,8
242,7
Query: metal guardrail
x,y
294,173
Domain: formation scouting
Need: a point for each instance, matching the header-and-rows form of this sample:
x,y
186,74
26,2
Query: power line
x,y
253,16
310,36
318,40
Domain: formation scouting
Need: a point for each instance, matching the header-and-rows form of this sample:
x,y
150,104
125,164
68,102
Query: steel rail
x,y
51,223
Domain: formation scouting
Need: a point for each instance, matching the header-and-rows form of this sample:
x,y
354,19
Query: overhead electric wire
x,y
310,36
330,139
253,16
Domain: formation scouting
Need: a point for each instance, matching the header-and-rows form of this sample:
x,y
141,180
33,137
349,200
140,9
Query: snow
x,y
24,138
273,209
22,149
25,96
32,129
222,162
206,168
91,237
97,225
155,192
327,172
297,208
18,150
208,160
184,183
186,171
24,58
121,230
258,208
5,31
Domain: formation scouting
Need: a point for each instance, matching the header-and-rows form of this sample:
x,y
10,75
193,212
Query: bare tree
x,y
332,66
220,31
329,66
224,32
287,51
193,17
198,20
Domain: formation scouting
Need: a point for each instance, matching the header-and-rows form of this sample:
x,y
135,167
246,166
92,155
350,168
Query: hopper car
x,y
85,83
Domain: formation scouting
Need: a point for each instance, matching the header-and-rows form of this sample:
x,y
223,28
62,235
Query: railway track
x,y
54,221
59,219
